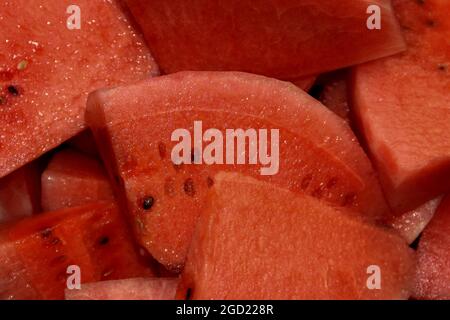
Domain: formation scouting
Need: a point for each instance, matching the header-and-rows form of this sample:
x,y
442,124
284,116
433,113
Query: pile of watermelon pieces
x,y
348,199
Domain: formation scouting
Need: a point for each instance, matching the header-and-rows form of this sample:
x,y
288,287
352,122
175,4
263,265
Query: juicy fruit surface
x,y
47,70
403,105
411,224
73,179
127,289
256,241
433,270
94,237
315,147
273,38
20,193
334,95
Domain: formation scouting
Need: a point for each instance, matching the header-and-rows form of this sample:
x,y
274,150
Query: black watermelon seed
x,y
13,90
209,182
189,187
443,67
103,241
148,202
431,23
2,100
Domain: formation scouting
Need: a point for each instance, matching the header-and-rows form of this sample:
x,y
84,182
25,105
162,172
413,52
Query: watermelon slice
x,y
127,289
411,224
133,127
256,241
20,193
47,70
285,39
433,270
37,251
84,142
73,179
403,107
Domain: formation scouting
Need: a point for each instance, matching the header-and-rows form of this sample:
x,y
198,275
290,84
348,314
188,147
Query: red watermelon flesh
x,y
20,193
334,95
39,250
133,127
403,106
433,270
47,70
411,224
256,241
84,142
285,39
73,179
127,289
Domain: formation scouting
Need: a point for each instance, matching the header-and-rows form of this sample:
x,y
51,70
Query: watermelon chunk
x,y
20,193
433,266
73,179
256,241
411,224
403,107
133,127
282,39
37,251
47,70
127,289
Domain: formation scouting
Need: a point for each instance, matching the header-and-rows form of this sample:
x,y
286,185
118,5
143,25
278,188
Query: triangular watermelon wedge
x,y
403,107
285,39
20,193
134,125
74,179
47,70
256,241
37,251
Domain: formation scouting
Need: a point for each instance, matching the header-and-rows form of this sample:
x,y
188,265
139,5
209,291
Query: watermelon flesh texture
x,y
38,250
280,39
256,241
403,107
433,266
411,224
334,95
73,179
47,70
20,193
318,148
127,289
